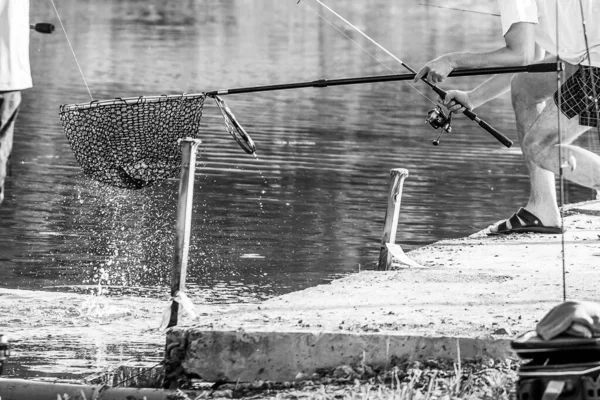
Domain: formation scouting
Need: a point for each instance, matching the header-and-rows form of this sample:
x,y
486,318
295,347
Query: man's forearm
x,y
503,57
496,86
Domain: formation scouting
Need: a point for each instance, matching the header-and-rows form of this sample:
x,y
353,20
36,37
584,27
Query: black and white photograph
x,y
300,199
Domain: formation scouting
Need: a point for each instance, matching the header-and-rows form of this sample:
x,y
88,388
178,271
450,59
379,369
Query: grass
x,y
405,380
127,376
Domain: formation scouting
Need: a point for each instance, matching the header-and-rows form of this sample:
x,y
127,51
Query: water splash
x,y
266,183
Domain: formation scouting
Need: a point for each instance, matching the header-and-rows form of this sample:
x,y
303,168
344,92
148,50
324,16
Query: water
x,y
310,207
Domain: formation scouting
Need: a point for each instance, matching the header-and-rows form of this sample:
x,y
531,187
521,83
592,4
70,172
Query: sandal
x,y
524,222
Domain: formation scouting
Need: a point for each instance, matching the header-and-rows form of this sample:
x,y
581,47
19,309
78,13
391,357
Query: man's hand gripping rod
x,y
442,93
470,114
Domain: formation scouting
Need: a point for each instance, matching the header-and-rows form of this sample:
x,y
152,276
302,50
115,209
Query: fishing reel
x,y
438,119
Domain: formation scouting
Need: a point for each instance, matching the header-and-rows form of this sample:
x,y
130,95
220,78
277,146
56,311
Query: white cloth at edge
x,y
186,304
571,40
15,72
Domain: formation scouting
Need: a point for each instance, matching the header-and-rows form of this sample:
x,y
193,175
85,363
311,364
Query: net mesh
x,y
132,143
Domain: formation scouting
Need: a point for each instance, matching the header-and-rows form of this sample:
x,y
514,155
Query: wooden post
x,y
392,214
184,221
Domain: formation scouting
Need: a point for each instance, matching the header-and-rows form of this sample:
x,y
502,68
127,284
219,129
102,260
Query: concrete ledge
x,y
588,207
482,290
280,356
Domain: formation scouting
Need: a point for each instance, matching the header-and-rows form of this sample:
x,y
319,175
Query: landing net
x,y
132,142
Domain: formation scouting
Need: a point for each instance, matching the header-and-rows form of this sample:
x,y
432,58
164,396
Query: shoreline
x,y
477,291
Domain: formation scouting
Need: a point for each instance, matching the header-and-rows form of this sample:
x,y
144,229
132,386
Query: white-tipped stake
x,y
399,257
183,227
390,251
186,304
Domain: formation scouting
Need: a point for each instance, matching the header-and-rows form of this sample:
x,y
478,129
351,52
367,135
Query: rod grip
x,y
493,131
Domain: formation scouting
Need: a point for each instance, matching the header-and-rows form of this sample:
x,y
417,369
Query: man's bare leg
x,y
530,94
9,106
542,145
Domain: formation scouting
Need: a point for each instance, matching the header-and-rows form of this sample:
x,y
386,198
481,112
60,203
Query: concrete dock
x,y
473,294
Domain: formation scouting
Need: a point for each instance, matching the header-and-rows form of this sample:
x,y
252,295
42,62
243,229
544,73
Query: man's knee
x,y
543,135
538,151
532,146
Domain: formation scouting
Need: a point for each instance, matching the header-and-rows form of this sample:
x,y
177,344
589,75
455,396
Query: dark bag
x,y
565,368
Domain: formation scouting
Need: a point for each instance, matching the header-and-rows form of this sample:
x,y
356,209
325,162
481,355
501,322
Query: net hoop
x,y
130,101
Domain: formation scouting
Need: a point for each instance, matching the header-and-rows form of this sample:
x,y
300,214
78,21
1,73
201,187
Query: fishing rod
x,y
436,117
546,67
438,113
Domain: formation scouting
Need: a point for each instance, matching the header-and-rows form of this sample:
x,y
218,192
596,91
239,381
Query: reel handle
x,y
42,27
473,117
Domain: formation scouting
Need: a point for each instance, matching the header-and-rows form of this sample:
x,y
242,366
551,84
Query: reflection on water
x,y
310,207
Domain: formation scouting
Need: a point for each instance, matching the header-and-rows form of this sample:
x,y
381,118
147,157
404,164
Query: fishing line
x,y
597,111
259,117
559,74
361,47
72,51
365,35
349,38
460,9
440,92
590,75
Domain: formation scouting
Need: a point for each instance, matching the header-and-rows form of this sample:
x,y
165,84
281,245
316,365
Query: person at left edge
x,y
15,74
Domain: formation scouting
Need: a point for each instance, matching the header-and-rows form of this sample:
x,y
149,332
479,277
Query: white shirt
x,y
571,41
15,73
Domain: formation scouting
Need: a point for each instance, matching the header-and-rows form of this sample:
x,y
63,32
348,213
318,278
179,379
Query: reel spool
x,y
438,119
